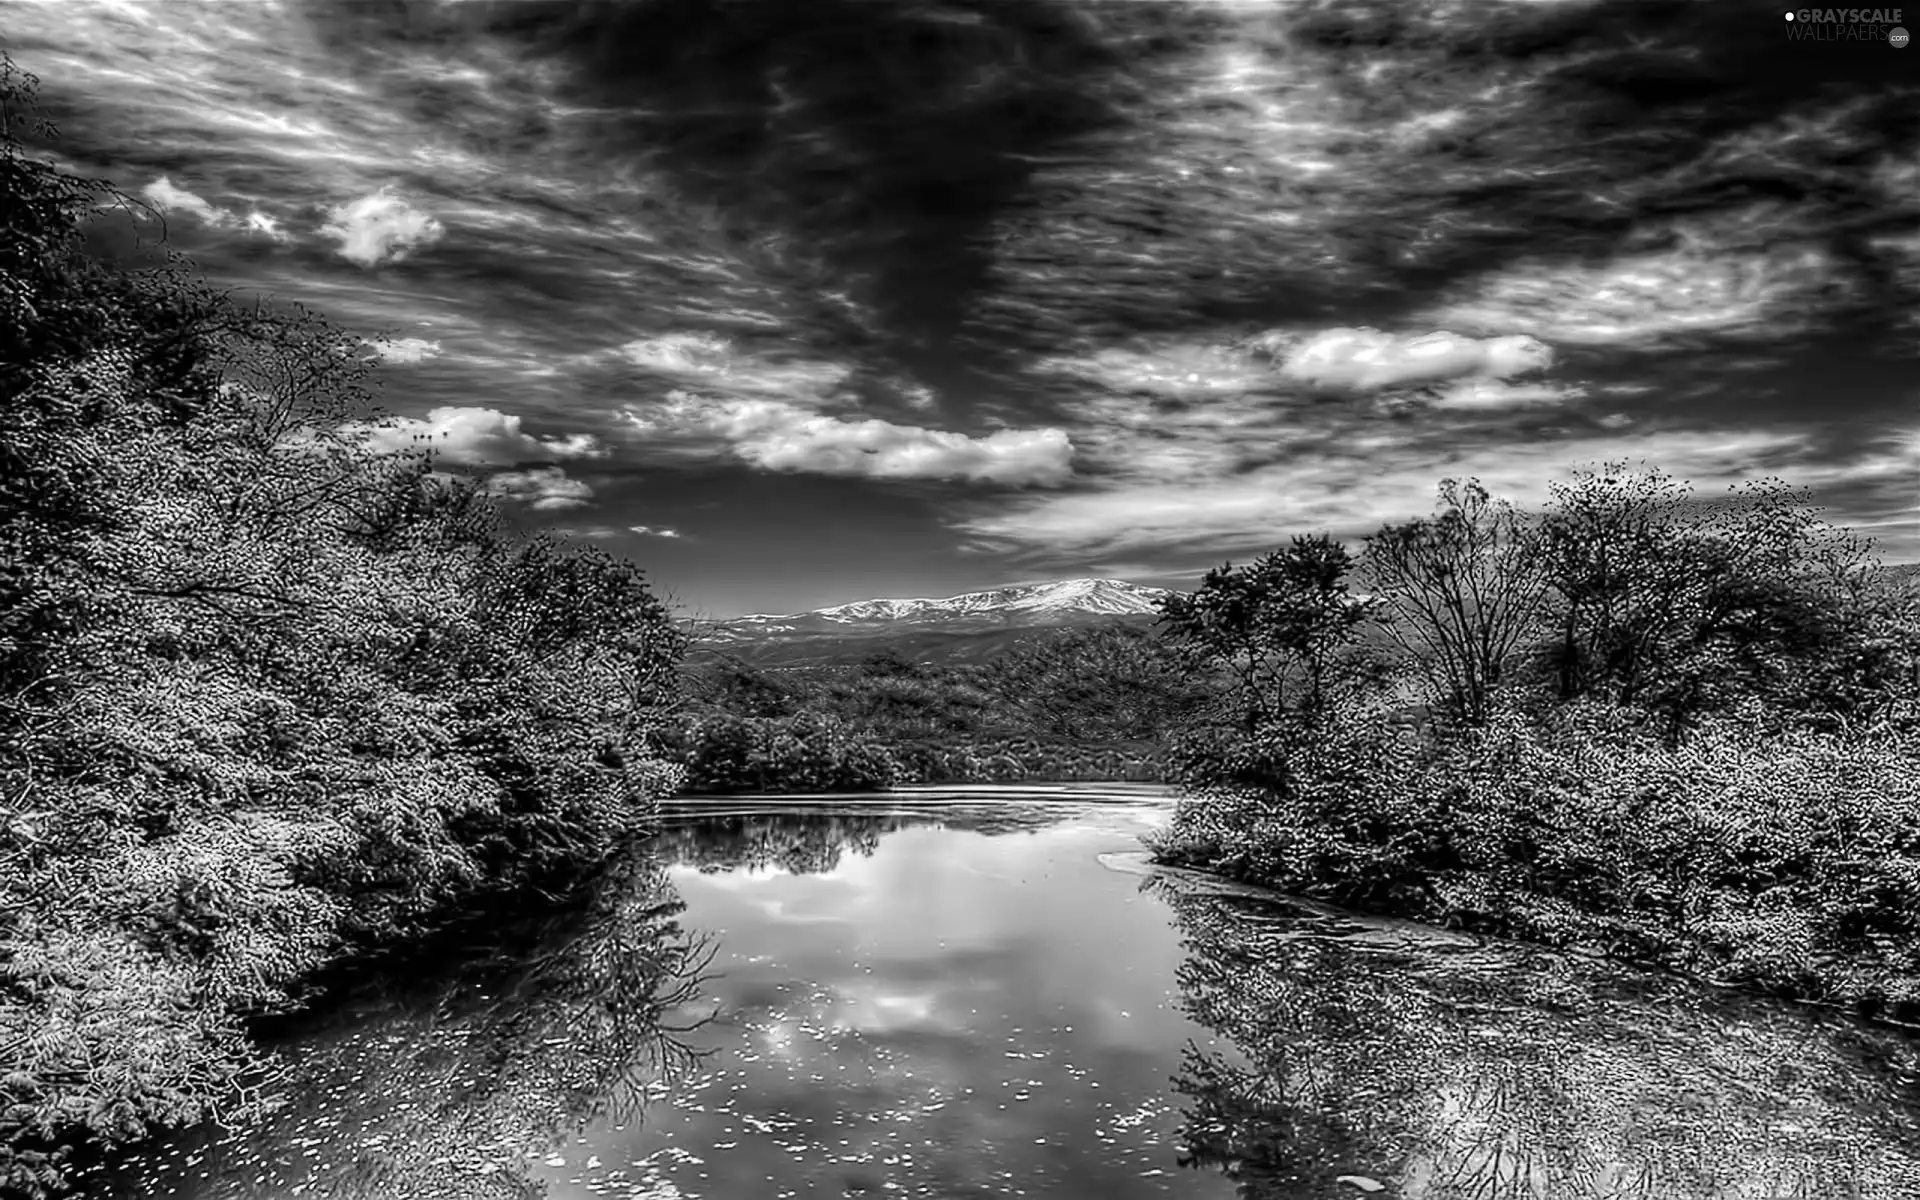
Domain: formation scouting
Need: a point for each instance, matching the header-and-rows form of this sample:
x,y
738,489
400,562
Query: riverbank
x,y
1786,864
271,697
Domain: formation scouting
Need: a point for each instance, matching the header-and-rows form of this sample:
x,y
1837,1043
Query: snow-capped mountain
x,y
1034,605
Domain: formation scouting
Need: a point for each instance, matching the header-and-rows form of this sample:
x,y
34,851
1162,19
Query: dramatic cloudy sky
x,y
799,303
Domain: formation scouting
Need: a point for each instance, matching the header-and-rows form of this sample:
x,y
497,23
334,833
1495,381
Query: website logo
x,y
1847,25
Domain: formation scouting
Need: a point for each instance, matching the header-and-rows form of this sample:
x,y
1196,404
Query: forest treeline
x,y
266,698
1075,703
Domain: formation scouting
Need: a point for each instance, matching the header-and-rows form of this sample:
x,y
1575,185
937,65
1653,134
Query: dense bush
x,y
802,753
1789,863
265,696
1675,733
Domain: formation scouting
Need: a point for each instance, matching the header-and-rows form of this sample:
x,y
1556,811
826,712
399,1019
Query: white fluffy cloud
x,y
380,228
168,197
405,350
543,488
917,395
780,436
1369,360
660,531
473,437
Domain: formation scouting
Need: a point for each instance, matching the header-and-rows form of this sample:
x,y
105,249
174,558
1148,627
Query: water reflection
x,y
957,997
1443,1072
464,1079
965,1005
796,843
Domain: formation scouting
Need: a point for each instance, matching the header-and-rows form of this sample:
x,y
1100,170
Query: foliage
x,y
1104,683
801,753
800,845
1789,863
1703,756
1682,610
1284,629
265,697
1075,703
522,1021
1464,591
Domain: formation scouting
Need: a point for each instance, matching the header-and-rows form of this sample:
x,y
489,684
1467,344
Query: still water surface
x,y
986,992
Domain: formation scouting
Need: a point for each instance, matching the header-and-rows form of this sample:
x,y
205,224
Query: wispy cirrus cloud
x,y
680,353
1187,369
715,362
266,226
601,533
1486,393
169,197
1644,300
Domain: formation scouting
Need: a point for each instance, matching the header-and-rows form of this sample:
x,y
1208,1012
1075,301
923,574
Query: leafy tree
x,y
1683,610
1284,627
1610,544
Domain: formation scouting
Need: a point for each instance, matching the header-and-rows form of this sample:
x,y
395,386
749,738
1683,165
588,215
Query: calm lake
x,y
985,992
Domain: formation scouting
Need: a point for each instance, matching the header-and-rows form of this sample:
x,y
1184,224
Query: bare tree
x,y
1464,587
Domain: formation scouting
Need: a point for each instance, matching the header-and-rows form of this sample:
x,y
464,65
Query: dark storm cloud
x,y
1201,273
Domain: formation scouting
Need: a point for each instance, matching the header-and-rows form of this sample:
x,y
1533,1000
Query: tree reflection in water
x,y
451,1084
1503,1073
713,837
800,843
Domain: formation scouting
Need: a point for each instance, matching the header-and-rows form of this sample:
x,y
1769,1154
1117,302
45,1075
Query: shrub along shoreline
x,y
1679,735
1787,866
267,699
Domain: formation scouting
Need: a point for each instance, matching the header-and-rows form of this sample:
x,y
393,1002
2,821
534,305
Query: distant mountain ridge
x,y
926,623
971,626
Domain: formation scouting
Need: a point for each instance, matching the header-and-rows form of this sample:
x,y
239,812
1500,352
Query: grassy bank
x,y
267,698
